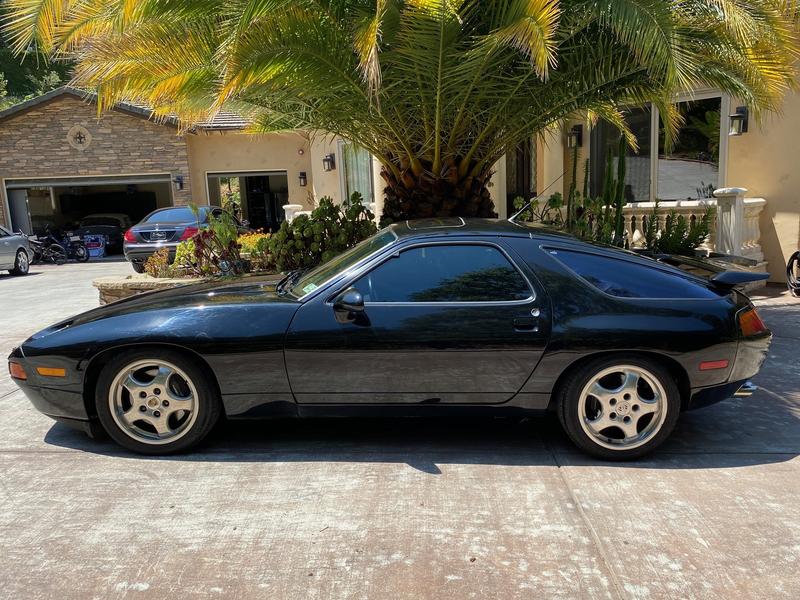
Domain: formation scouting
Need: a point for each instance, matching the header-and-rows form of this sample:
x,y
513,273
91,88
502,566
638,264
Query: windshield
x,y
182,214
323,273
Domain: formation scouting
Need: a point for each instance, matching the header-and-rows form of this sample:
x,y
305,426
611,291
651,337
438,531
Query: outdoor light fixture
x,y
575,136
178,182
739,121
303,179
329,162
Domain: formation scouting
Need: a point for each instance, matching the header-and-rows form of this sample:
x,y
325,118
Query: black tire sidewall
x,y
570,417
138,267
16,270
208,401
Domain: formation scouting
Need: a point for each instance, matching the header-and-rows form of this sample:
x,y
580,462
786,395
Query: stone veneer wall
x,y
34,143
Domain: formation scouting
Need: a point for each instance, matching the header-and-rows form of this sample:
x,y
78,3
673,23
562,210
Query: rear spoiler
x,y
724,272
730,279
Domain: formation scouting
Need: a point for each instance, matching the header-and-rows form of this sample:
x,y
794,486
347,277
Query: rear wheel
x,y
22,264
619,408
57,254
81,253
156,401
138,267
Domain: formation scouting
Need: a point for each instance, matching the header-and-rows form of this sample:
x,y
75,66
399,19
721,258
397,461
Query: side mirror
x,y
350,301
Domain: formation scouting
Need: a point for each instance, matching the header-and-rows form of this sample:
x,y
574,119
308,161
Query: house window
x,y
692,167
356,171
521,173
605,141
689,167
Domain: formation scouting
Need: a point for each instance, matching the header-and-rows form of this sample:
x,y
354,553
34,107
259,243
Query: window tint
x,y
628,279
180,214
445,274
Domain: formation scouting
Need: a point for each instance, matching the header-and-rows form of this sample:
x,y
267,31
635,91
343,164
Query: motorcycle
x,y
70,245
47,251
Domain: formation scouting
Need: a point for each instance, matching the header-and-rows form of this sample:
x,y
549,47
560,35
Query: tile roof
x,y
221,121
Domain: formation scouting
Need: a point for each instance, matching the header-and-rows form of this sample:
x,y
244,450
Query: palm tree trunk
x,y
410,196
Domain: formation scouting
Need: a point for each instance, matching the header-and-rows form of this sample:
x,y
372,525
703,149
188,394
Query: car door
x,y
454,322
6,250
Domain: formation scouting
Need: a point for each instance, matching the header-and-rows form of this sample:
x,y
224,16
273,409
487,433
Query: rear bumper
x,y
141,252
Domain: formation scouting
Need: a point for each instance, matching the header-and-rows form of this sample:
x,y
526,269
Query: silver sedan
x,y
15,252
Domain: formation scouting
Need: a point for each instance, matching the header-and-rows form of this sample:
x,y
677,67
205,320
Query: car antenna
x,y
512,218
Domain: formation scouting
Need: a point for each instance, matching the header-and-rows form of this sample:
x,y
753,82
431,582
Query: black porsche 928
x,y
429,317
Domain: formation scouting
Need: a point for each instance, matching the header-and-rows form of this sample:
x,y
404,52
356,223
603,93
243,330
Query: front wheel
x,y
21,264
619,408
56,254
156,401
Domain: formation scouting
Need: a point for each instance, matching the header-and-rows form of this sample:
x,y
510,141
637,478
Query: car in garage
x,y
166,228
111,226
15,252
433,317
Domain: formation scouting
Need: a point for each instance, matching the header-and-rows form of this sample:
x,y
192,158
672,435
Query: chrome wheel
x,y
23,264
622,407
153,401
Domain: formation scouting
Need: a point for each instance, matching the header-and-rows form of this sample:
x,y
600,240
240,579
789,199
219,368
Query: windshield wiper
x,y
286,284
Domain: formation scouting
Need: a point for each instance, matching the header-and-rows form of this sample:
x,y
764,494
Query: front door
x,y
443,323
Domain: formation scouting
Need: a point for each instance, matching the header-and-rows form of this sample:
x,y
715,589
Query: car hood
x,y
241,290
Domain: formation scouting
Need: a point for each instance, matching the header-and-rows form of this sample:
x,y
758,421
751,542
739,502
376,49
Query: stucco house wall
x,y
234,151
766,162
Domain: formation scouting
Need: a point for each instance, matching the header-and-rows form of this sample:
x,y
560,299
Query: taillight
x,y
750,323
189,232
129,236
17,371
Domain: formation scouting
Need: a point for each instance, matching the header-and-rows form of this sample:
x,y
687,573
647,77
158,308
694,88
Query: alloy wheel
x,y
23,264
622,407
153,401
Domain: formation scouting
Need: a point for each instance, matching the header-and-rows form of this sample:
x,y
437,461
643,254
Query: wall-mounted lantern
x,y
329,162
178,182
303,179
739,121
575,136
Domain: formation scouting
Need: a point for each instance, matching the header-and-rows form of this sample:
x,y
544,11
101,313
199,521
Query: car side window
x,y
628,279
3,233
445,273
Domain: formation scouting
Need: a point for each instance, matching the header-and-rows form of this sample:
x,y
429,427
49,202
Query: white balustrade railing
x,y
733,230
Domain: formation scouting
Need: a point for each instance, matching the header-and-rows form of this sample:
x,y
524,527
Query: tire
x,y
57,254
22,264
138,267
81,254
156,401
635,409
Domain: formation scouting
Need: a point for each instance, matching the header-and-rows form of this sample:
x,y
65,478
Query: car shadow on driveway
x,y
736,433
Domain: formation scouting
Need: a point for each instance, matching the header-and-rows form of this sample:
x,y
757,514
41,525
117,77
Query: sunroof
x,y
420,224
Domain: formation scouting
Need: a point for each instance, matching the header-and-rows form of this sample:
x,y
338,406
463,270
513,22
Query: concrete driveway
x,y
387,509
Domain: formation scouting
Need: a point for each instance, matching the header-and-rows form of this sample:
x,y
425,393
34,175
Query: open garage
x,y
36,204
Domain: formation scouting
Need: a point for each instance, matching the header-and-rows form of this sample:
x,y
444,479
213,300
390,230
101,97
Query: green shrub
x,y
330,229
679,235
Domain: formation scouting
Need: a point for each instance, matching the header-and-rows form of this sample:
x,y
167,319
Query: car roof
x,y
459,226
121,216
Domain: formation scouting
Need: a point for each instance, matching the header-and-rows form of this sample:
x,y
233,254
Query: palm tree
x,y
438,90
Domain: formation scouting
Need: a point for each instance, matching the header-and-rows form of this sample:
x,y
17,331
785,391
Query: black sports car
x,y
429,317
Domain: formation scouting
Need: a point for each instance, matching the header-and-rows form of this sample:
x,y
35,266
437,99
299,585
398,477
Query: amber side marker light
x,y
16,371
750,323
51,372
